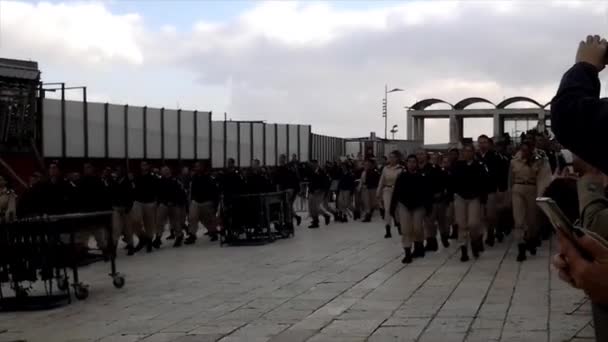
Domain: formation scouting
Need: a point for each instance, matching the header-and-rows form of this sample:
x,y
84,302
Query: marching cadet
x,y
369,187
171,202
8,203
436,215
121,198
56,193
410,200
386,184
504,214
92,196
143,213
528,175
205,197
358,200
469,191
440,199
184,180
346,186
448,201
286,179
232,181
319,184
452,157
492,163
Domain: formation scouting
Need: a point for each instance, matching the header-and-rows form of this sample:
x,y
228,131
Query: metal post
x,y
162,134
385,111
195,142
63,133
264,143
210,134
85,119
106,129
179,134
145,120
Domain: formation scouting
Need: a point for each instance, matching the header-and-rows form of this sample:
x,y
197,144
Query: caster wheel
x,y
118,281
62,284
81,292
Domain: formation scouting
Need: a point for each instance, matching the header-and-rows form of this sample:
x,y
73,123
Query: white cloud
x,y
310,62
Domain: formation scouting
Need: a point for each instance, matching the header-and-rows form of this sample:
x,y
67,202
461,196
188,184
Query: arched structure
x,y
502,115
462,104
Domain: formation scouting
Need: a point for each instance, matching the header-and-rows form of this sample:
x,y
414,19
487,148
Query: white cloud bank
x,y
308,62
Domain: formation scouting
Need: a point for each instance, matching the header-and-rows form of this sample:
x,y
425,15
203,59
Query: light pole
x,y
394,130
385,107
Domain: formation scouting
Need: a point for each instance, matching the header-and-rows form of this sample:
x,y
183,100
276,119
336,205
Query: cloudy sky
x,y
323,63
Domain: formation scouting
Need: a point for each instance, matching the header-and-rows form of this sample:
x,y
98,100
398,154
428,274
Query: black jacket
x,y
257,183
121,193
286,178
347,181
436,178
146,188
58,197
204,189
93,195
170,192
503,172
413,190
493,163
372,178
319,181
579,118
232,182
468,180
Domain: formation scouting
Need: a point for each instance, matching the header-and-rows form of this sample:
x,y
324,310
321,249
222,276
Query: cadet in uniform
x,y
171,202
205,197
390,172
492,163
369,188
346,186
469,191
286,179
436,215
451,159
319,184
121,198
528,172
410,200
143,214
8,202
504,214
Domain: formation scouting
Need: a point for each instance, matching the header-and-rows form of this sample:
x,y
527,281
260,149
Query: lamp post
x,y
385,107
394,130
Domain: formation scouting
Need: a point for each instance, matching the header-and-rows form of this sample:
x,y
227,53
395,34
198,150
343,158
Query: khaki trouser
x,y
411,221
524,212
370,203
345,201
174,215
438,218
204,213
387,196
468,218
143,218
315,199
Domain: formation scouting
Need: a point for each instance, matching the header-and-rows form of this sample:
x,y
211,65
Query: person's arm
x,y
544,177
395,198
593,204
578,117
381,183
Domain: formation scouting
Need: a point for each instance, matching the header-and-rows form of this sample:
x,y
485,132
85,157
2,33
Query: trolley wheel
x,y
118,281
81,291
62,284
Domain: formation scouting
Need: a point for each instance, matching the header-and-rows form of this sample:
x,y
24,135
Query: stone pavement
x,y
343,282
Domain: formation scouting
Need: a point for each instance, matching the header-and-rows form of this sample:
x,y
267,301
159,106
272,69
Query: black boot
x,y
531,246
445,240
149,246
140,245
431,245
327,219
157,242
480,246
499,236
382,213
475,247
398,226
190,240
171,236
387,235
464,254
178,241
454,235
521,255
418,249
314,224
130,250
356,215
368,218
345,218
213,236
407,259
298,220
490,239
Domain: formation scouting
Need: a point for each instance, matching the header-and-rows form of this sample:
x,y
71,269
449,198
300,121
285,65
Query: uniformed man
x,y
346,186
232,181
528,172
452,157
205,197
504,214
93,196
358,199
121,197
56,193
492,162
436,216
369,187
469,190
171,202
286,179
184,180
410,201
8,202
389,175
143,214
318,187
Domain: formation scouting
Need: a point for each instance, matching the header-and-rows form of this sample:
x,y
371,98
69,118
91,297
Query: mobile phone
x,y
561,223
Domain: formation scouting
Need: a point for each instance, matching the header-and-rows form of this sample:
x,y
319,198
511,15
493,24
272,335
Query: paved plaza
x,y
343,282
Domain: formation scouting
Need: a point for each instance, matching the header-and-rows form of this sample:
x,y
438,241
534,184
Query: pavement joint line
x,y
445,261
504,321
476,315
424,329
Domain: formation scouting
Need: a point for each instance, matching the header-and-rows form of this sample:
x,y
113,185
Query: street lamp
x,y
394,130
385,107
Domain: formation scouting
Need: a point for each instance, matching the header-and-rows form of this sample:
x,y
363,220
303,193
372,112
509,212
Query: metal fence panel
x,y
187,135
271,159
96,130
153,133
116,131
245,144
202,136
74,128
135,121
170,134
304,143
258,141
51,128
218,144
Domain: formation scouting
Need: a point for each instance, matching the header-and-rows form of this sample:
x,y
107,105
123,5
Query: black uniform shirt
x,y
468,179
146,188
